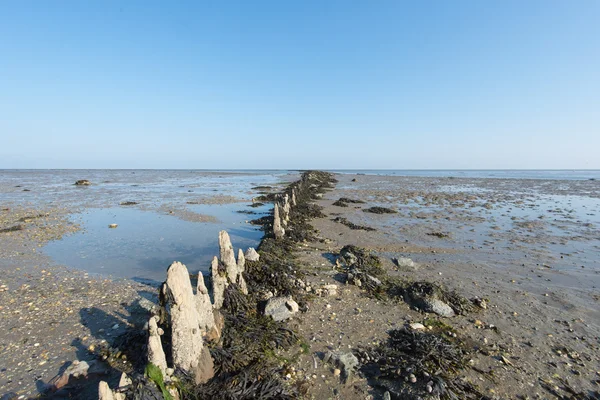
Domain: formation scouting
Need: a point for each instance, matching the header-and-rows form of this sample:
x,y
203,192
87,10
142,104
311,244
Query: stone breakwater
x,y
188,333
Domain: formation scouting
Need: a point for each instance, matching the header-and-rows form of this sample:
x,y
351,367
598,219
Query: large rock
x,y
227,256
219,284
438,307
278,230
156,353
281,308
251,254
204,306
241,266
186,338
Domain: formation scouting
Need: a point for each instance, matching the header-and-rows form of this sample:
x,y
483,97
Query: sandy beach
x,y
529,248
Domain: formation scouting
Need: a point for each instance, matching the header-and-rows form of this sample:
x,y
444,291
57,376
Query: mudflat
x,y
527,250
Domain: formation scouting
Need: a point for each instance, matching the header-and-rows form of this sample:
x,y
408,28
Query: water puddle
x,y
146,242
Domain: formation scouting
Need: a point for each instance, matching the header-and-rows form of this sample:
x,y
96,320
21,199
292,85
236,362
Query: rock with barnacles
x,y
251,254
187,344
241,265
227,256
293,200
277,228
204,307
281,308
156,353
219,283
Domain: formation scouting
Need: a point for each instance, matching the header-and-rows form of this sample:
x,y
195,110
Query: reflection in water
x,y
146,242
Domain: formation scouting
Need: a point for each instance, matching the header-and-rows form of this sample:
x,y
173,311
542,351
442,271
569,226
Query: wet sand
x,y
512,242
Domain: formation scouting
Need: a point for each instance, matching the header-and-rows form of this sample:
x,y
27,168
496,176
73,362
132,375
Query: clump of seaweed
x,y
267,197
29,218
440,235
344,201
380,210
128,203
12,229
416,293
352,225
364,269
354,256
415,365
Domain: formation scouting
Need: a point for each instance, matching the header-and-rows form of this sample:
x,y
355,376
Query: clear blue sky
x,y
300,84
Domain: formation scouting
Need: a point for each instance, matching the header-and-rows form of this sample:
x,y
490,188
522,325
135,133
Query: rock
x,y
281,308
113,226
123,383
438,307
104,392
156,353
330,290
83,182
278,230
404,262
219,283
347,362
204,306
348,257
187,345
386,395
227,256
77,370
241,267
481,303
293,200
417,326
252,255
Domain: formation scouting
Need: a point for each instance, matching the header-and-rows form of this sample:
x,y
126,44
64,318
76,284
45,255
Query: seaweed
x,y
364,269
380,210
344,201
413,365
29,218
440,235
128,203
12,229
354,256
352,225
245,359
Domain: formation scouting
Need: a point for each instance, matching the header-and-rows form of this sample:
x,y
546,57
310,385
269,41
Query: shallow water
x,y
548,224
482,173
145,242
176,216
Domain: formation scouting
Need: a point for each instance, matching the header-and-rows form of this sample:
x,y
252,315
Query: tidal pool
x,y
146,242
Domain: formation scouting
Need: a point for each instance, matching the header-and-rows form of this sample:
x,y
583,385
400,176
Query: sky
x,y
300,84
